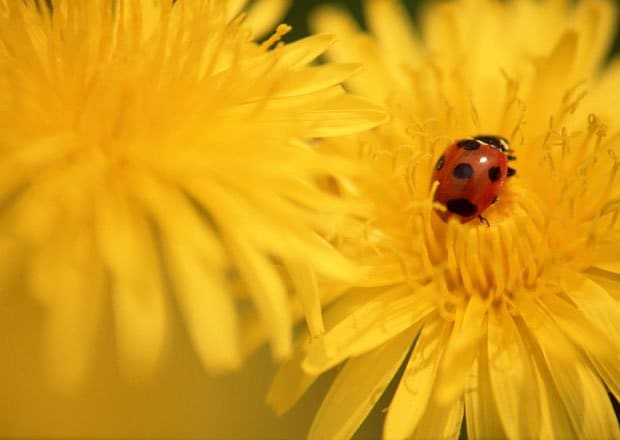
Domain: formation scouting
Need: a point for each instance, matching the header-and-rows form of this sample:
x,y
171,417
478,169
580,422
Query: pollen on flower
x,y
280,32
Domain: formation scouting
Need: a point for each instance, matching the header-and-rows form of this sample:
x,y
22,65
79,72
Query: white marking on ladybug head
x,y
505,145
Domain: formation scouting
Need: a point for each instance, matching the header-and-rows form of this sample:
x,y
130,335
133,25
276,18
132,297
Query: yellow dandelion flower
x,y
511,326
152,154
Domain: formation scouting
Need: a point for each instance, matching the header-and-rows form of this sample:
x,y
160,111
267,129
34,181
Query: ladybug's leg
x,y
509,157
511,172
495,199
484,220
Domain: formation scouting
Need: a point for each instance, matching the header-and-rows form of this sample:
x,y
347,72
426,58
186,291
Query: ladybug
x,y
471,173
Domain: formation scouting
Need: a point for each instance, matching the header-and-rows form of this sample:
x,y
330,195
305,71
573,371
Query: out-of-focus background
x,y
183,402
297,16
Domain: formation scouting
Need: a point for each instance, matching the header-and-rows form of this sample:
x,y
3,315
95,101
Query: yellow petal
x,y
357,388
306,286
581,393
597,305
609,370
301,52
482,419
511,378
575,325
209,312
234,7
315,78
189,225
12,261
313,116
370,325
555,421
330,17
332,264
461,351
197,267
281,61
229,206
343,115
608,257
442,32
390,22
553,79
128,249
602,97
602,310
290,381
595,21
609,280
263,15
352,46
441,421
279,235
586,400
266,290
415,387
68,278
382,273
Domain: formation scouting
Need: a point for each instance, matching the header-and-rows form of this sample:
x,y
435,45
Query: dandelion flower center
x,y
553,211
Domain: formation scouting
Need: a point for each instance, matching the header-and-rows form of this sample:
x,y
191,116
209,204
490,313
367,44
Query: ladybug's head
x,y
495,141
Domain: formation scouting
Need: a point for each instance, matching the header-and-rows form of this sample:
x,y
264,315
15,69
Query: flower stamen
x,y
275,38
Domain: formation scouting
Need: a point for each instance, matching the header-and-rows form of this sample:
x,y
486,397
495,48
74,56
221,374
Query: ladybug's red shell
x,y
471,173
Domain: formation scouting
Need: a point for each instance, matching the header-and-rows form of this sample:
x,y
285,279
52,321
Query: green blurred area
x,y
298,15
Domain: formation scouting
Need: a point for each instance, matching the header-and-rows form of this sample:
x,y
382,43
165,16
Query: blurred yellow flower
x,y
517,324
153,157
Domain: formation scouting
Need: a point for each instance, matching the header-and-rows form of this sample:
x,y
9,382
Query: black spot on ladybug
x,y
468,144
462,207
440,162
463,171
511,172
495,141
494,174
